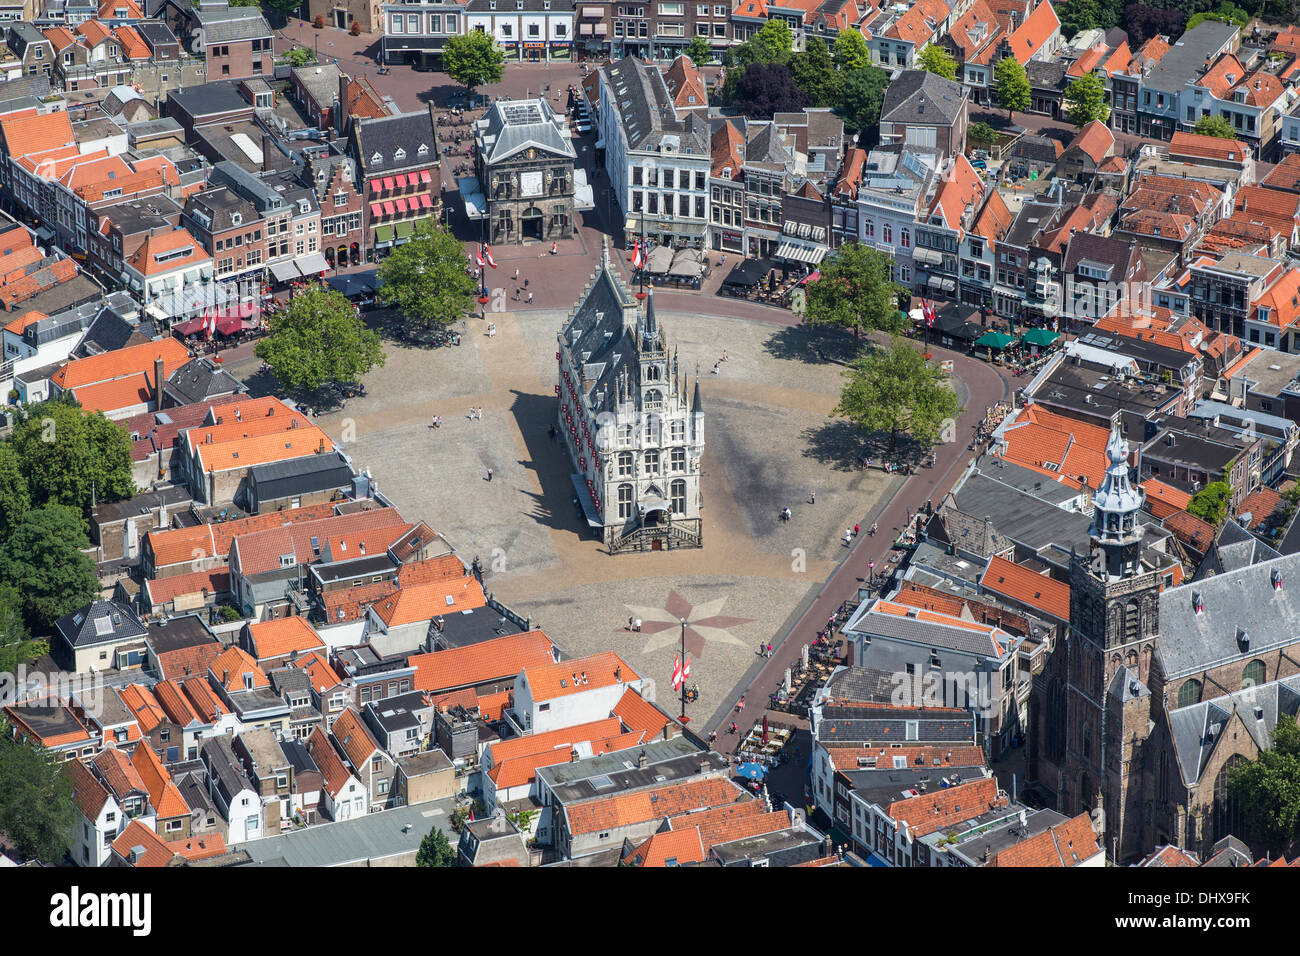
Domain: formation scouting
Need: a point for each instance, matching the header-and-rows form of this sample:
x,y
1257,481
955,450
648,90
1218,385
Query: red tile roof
x,y
1208,147
283,636
232,666
188,661
928,812
620,810
175,704
179,545
637,713
1095,139
424,602
145,259
1064,845
354,739
143,705
348,535
122,363
1196,533
87,792
164,795
32,135
327,759
161,591
550,680
492,660
1026,587
118,774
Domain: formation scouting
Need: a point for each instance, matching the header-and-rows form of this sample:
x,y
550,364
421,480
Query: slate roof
x,y
100,622
921,97
644,108
199,380
232,25
512,126
882,724
1185,60
222,96
1022,518
1197,730
385,135
300,476
1242,599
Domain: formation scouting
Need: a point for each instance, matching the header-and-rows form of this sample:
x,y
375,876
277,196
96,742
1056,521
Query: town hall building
x,y
524,161
634,436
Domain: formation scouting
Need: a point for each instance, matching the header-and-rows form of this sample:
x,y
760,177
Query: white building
x,y
166,270
534,31
658,160
554,696
623,413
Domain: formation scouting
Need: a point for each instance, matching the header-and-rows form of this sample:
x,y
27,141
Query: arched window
x,y
677,494
652,427
625,464
652,375
654,399
625,501
1189,693
1227,812
1254,674
1162,777
905,237
1055,721
1132,618
624,434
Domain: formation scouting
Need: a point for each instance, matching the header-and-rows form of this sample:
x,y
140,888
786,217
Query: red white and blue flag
x,y
478,256
487,254
927,310
638,260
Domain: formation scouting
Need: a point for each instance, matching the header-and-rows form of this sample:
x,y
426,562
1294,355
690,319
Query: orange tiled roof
x,y
608,813
991,631
686,84
913,27
29,135
145,258
1196,533
354,738
94,32
121,363
350,604
550,680
490,706
118,774
188,661
1282,299
563,739
231,666
1095,139
319,672
175,704
108,10
1209,147
496,659
203,699
178,545
1226,73
1261,88
359,533
424,602
994,218
143,705
960,191
156,851
637,713
851,758
727,150
1158,491
60,38
114,396
164,795
80,733
165,590
928,812
521,771
263,449
1039,591
1064,845
680,846
19,325
1261,505
1088,62
87,792
133,45
1171,856
283,636
966,33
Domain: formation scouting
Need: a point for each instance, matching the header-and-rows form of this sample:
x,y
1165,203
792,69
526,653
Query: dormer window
x,y
376,158
400,154
236,218
492,4
423,150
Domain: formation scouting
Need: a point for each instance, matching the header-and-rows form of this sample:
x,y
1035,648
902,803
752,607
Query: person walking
x,y
530,298
848,538
516,273
489,474
872,532
812,497
855,531
769,648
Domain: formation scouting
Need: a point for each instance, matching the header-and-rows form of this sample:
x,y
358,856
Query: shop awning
x,y
993,340
388,183
748,272
472,196
230,324
312,264
584,29
284,271
401,180
1040,337
810,253
401,206
376,185
425,177
584,499
927,256
404,230
376,210
389,208
425,201
384,235
661,260
190,327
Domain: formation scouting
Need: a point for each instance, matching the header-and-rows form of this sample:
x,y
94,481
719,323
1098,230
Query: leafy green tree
x,y
1012,85
699,51
43,560
1211,502
1214,126
767,88
473,59
980,132
435,849
425,279
1078,15
864,94
774,42
16,647
854,291
1267,789
299,56
36,807
851,51
318,339
815,74
14,497
935,59
1223,13
895,390
67,457
1087,99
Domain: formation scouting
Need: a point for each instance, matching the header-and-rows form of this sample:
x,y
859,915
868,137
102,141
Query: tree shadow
x,y
844,446
812,345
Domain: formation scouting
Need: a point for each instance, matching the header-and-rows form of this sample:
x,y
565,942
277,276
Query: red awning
x,y
389,208
401,180
425,201
376,210
401,206
388,183
375,185
425,177
192,327
230,324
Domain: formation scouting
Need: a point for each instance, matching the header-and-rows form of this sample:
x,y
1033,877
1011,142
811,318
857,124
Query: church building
x,y
633,434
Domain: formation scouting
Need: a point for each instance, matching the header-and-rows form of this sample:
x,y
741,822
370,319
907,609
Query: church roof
x,y
1197,730
512,126
600,340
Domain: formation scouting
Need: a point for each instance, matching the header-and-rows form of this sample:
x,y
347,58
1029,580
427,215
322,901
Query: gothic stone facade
x,y
623,412
525,166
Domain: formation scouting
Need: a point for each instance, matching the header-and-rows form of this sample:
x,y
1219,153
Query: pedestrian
x,y
471,412
480,413
769,648
848,537
530,298
489,474
855,531
525,282
873,529
812,497
716,365
629,623
516,273
724,355
516,295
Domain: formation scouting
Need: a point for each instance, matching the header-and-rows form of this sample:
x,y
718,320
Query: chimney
x,y
225,677
341,111
641,761
266,153
158,384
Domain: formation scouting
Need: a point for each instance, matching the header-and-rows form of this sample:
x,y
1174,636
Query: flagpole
x,y
684,718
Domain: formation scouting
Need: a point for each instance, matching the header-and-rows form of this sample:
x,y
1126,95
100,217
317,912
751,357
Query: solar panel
x,y
522,114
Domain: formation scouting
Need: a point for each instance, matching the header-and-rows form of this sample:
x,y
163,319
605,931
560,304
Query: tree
x,y
1078,15
67,457
1211,502
1087,99
1214,126
816,77
425,279
435,849
36,808
699,51
16,647
935,59
1267,789
299,56
851,51
43,560
14,497
281,7
1223,13
773,43
767,88
473,59
1012,85
980,132
1143,21
895,390
854,291
864,94
318,339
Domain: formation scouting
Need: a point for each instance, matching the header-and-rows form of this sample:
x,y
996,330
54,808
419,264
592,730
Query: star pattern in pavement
x,y
704,624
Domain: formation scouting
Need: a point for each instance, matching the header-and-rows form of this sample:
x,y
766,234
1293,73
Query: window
x,y
625,501
887,231
412,23
1189,693
625,464
396,24
677,496
678,459
1254,674
651,462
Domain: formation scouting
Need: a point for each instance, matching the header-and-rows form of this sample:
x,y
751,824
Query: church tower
x,y
1104,667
